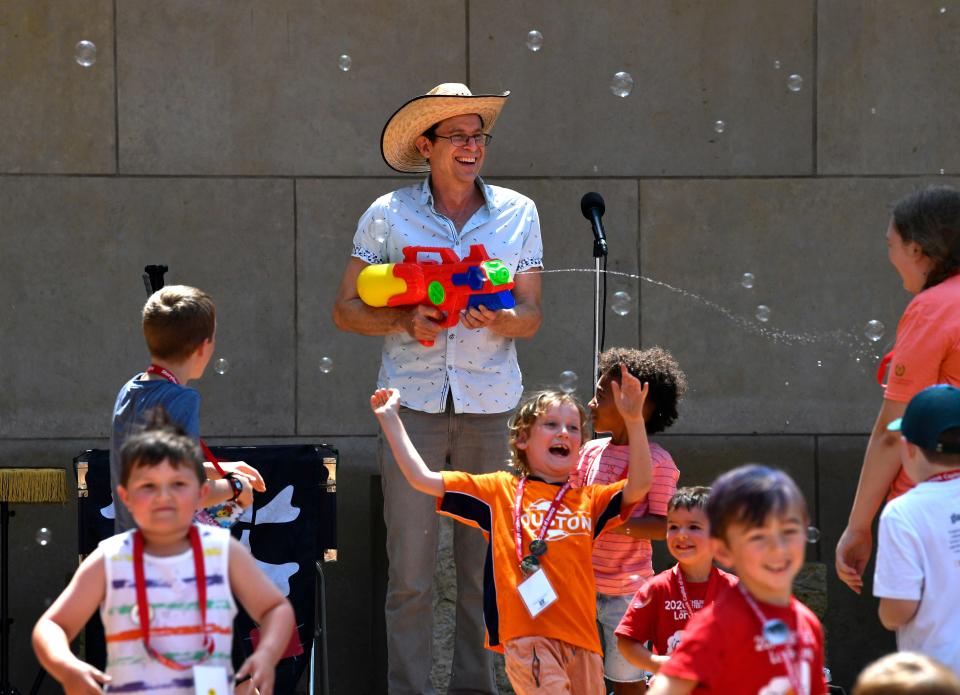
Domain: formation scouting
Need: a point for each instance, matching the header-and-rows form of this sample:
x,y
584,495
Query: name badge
x,y
536,592
210,680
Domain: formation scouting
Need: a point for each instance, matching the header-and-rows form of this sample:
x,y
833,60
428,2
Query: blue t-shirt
x,y
135,399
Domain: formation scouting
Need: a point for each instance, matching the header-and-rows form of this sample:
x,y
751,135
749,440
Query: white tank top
x,y
175,629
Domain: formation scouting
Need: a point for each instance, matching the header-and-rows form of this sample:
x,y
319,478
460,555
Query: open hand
x,y
853,554
629,396
261,672
84,679
242,470
385,402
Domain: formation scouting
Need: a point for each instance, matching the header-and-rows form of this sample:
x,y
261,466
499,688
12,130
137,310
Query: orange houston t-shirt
x,y
926,352
487,502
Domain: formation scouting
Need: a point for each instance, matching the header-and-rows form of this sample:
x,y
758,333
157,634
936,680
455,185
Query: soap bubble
x,y
813,534
622,84
326,365
747,280
874,330
819,363
873,110
534,40
621,303
379,229
943,10
568,381
942,172
763,313
86,53
786,383
345,62
43,536
221,366
720,126
794,83
776,65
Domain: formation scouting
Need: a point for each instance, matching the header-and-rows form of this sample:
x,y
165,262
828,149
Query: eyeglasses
x,y
480,139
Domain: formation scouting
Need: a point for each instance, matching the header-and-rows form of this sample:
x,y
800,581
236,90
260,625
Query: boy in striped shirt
x,y
622,559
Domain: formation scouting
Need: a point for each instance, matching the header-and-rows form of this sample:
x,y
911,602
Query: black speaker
x,y
289,528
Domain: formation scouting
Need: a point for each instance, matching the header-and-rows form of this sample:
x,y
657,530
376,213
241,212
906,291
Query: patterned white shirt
x,y
476,366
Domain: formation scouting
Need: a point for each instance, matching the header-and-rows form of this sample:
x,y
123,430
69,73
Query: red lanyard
x,y
169,376
791,665
143,606
547,520
683,591
944,477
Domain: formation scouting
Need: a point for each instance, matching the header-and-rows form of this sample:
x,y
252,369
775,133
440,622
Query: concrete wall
x,y
221,138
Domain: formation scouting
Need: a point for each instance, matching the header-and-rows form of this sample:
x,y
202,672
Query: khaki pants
x,y
545,666
471,443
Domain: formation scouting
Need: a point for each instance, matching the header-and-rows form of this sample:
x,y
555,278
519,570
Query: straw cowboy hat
x,y
417,115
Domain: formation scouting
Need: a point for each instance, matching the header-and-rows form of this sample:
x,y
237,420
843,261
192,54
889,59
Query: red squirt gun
x,y
452,285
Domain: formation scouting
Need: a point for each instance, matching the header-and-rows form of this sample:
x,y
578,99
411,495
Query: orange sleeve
x,y
921,346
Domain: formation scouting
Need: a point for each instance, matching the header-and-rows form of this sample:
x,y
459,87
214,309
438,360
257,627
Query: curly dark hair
x,y
931,218
657,367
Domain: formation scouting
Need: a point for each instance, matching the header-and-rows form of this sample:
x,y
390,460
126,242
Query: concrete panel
x,y
56,116
817,251
855,636
327,214
878,61
692,63
701,459
73,294
39,573
255,88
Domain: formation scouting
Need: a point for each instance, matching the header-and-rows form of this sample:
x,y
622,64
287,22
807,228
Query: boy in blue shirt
x,y
179,326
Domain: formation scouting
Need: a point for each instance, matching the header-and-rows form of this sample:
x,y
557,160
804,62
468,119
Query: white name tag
x,y
210,680
536,592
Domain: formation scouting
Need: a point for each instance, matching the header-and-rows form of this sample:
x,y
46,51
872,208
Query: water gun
x,y
452,285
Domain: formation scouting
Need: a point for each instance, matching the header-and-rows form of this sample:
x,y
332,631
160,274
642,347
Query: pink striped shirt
x,y
622,564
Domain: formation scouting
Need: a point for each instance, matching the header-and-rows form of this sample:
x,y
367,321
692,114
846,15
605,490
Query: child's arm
x,y
896,612
650,526
668,685
268,608
629,396
386,406
63,621
633,651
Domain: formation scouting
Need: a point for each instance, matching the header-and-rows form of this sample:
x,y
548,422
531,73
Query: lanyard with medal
x,y
143,606
535,589
776,633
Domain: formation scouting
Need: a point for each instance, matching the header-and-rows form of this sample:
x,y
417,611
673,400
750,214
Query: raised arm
x,y
523,320
385,404
881,464
352,315
629,396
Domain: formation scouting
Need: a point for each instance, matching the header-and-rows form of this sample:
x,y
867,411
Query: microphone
x,y
593,207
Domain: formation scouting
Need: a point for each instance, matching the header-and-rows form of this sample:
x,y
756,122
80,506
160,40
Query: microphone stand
x,y
599,251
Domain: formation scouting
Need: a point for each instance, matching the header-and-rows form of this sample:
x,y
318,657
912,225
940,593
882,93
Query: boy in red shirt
x,y
539,593
661,608
756,639
622,559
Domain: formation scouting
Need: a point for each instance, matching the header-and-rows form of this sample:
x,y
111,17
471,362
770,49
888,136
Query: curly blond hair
x,y
532,407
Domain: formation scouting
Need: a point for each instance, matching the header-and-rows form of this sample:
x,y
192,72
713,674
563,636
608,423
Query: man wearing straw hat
x,y
458,393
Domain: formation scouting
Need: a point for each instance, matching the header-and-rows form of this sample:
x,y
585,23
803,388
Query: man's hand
x,y
422,323
852,556
261,672
629,396
478,317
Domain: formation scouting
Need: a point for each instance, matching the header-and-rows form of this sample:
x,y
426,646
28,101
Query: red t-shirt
x,y
657,612
723,650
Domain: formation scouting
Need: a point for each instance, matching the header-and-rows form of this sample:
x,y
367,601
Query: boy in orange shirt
x,y
539,595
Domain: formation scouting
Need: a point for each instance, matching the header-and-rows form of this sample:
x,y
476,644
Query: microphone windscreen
x,y
592,201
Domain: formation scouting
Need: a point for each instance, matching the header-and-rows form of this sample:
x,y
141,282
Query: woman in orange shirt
x,y
923,243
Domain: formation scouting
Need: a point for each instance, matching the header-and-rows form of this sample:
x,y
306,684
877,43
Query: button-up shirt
x,y
477,367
